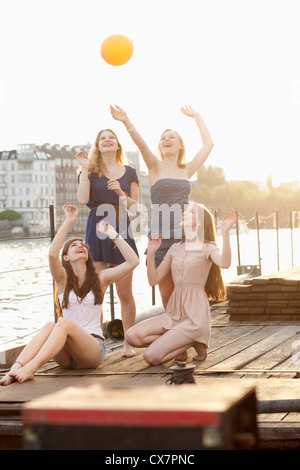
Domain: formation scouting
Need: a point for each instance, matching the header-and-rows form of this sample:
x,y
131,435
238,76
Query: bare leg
x,y
81,346
166,287
167,347
201,351
128,310
28,352
182,357
144,333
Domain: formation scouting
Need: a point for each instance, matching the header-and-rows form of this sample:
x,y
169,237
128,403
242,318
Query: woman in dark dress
x,y
108,188
169,182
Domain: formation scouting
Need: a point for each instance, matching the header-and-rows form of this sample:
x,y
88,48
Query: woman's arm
x,y
110,275
223,259
83,192
131,199
156,275
149,158
56,269
194,165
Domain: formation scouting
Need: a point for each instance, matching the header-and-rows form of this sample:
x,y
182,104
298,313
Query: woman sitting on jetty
x,y
76,340
195,265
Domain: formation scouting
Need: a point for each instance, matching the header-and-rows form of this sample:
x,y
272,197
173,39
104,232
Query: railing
x,y
256,222
51,236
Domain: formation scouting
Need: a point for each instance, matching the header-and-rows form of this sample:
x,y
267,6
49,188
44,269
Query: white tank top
x,y
84,312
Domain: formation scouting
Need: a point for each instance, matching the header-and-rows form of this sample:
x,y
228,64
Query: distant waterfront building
x,y
32,177
28,184
133,159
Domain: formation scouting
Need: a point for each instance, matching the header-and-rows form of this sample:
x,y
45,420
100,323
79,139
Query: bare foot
x,y
128,351
24,373
201,352
182,357
8,378
200,357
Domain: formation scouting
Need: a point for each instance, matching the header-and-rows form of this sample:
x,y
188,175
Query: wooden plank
x,y
228,350
223,335
284,275
280,431
275,357
247,355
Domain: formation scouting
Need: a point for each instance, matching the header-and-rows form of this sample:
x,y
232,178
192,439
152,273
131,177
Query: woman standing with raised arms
x,y
109,187
169,182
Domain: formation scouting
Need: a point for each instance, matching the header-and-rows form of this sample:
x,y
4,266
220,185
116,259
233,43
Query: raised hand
x,y
154,243
107,229
189,111
71,212
118,113
83,160
228,221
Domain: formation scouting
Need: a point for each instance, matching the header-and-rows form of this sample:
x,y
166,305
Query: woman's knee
x,y
48,327
132,337
63,323
152,357
125,295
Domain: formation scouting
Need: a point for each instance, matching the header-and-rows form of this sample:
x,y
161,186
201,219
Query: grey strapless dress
x,y
169,197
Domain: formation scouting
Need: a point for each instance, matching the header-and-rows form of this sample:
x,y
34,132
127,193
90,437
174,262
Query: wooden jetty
x,y
272,297
261,353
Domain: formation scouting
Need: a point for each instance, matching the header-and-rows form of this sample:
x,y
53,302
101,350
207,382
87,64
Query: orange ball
x,y
117,49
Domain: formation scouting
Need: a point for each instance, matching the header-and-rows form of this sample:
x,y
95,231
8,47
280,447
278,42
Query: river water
x,y
26,287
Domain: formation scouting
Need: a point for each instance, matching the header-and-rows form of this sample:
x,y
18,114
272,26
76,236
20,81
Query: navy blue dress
x,y
169,197
104,203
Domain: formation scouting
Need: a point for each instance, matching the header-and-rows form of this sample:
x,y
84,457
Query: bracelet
x,y
131,128
124,198
117,236
18,362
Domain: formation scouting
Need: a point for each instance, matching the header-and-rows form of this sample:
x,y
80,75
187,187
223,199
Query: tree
x,y
270,183
10,215
211,176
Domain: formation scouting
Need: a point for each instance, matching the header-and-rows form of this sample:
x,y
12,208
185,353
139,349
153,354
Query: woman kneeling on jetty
x,y
195,264
76,340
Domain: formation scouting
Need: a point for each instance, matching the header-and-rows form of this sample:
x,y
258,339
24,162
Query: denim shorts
x,y
103,352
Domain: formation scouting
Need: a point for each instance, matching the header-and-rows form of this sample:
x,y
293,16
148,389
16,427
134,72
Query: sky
x,y
237,62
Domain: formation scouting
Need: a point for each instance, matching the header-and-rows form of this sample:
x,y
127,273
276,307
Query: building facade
x,y
34,177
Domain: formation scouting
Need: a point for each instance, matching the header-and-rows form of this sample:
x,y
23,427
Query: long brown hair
x,y
95,157
215,288
91,282
181,155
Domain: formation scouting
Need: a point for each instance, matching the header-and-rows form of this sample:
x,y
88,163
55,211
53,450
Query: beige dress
x,y
188,308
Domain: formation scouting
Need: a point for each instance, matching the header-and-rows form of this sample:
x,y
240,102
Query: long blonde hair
x,y
215,288
181,156
95,157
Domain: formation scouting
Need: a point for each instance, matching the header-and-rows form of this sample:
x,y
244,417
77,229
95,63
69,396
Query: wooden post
x,y
112,302
258,240
238,237
277,240
57,309
292,241
153,295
